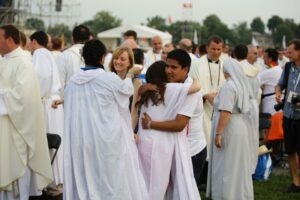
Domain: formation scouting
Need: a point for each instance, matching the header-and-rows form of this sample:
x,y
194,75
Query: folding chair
x,y
54,142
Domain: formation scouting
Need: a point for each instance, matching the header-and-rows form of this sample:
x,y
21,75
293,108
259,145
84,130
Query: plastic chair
x,y
54,142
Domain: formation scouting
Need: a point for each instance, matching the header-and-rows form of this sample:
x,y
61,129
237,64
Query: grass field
x,y
272,189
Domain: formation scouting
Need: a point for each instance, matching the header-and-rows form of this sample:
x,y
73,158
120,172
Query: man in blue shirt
x,y
291,111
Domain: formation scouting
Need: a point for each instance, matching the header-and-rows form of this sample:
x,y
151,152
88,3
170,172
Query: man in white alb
x,y
25,163
50,87
71,60
208,70
154,53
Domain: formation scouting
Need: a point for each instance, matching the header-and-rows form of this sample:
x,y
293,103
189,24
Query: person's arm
x,y
210,97
134,110
176,125
222,123
278,94
195,87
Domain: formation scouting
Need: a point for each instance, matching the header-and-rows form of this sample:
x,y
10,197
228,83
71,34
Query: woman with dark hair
x,y
101,158
165,154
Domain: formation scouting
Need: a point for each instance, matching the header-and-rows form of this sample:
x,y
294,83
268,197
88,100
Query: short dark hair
x,y
181,56
11,31
81,34
41,37
138,56
272,53
240,51
131,33
56,43
296,43
202,49
92,52
215,38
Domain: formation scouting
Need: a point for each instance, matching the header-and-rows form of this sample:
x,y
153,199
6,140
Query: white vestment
x,y
69,62
211,78
50,87
166,154
150,58
25,163
269,79
100,154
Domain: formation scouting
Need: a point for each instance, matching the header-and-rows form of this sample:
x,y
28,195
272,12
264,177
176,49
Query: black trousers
x,y
198,161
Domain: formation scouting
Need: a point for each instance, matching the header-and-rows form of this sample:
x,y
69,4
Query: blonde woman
x,y
123,60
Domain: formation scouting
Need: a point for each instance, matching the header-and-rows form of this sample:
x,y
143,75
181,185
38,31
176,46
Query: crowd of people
x,y
140,125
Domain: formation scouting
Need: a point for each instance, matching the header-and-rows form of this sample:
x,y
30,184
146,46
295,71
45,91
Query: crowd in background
x,y
141,125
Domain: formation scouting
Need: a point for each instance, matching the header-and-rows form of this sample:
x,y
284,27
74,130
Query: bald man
x,y
154,54
165,50
187,45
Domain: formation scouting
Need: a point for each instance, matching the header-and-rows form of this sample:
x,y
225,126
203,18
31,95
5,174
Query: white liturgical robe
x,y
100,154
23,142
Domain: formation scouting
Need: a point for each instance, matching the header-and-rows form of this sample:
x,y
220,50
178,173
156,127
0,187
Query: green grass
x,y
272,189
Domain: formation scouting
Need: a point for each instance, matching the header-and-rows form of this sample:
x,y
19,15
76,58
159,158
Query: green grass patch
x,y
272,189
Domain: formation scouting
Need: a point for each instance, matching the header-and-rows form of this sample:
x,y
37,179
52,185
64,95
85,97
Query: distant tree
x,y
35,24
295,28
157,22
258,25
102,21
214,26
273,22
60,30
242,34
282,30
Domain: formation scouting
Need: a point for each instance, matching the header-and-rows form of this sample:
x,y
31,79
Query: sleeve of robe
x,y
227,98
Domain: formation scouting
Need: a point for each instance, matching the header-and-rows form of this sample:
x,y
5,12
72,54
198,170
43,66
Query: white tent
x,y
112,38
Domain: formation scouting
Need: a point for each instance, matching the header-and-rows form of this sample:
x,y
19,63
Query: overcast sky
x,y
229,11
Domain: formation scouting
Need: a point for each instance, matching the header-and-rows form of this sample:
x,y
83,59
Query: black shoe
x,y
293,189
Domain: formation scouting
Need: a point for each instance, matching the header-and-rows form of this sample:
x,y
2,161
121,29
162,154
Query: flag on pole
x,y
283,42
254,41
195,37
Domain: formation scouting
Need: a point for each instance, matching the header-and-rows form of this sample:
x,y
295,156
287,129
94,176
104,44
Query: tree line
x,y
240,33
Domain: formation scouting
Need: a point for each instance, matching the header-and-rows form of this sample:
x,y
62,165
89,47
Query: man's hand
x,y
136,70
278,94
146,121
210,97
218,141
56,103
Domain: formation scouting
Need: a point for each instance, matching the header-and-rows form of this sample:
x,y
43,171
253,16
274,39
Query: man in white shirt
x,y
269,79
70,61
25,163
190,116
154,54
50,87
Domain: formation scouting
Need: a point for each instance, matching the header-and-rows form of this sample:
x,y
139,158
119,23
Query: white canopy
x,y
110,37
